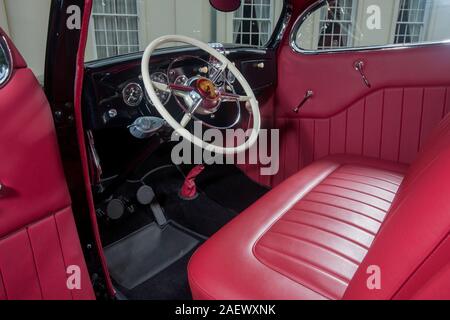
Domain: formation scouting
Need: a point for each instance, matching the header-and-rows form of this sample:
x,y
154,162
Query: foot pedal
x,y
146,196
158,213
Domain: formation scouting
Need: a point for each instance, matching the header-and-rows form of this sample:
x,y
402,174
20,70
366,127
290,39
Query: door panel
x,y
38,237
410,93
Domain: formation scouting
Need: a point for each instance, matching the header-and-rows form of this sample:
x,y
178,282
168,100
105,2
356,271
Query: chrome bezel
x,y
9,60
141,96
170,94
305,15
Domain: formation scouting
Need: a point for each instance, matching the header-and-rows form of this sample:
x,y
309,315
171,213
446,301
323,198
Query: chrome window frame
x,y
9,60
317,5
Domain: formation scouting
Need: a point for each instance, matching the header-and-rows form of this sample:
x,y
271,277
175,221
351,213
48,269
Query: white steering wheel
x,y
202,94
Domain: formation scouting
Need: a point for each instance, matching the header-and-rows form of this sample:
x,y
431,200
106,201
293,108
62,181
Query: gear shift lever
x,y
189,189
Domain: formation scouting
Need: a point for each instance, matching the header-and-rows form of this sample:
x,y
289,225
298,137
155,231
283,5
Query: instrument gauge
x,y
181,80
231,77
132,94
163,96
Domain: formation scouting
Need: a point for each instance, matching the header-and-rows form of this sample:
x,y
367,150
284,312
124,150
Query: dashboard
x,y
115,97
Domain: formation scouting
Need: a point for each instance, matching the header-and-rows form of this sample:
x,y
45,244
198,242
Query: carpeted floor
x,y
225,192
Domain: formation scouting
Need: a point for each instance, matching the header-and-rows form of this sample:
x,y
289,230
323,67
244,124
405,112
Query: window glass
x,y
5,63
346,24
125,26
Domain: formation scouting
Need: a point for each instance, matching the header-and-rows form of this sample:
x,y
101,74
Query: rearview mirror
x,y
226,5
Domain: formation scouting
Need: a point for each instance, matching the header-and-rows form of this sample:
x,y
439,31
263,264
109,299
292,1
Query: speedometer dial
x,y
132,94
163,96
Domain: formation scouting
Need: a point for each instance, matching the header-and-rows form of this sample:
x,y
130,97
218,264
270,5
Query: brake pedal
x,y
158,213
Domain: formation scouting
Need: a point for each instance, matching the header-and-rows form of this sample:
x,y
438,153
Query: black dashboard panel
x,y
105,80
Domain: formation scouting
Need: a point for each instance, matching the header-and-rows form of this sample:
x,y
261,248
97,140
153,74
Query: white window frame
x,y
270,20
349,32
92,30
424,23
320,3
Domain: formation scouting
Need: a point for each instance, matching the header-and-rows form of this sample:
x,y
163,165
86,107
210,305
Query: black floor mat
x,y
170,284
202,215
145,253
225,191
230,187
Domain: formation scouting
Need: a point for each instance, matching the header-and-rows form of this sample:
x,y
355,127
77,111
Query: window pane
x,y
346,24
5,67
253,22
124,26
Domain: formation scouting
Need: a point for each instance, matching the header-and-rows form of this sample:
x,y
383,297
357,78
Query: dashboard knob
x,y
112,113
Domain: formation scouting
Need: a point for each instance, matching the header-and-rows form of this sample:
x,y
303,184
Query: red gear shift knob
x,y
189,189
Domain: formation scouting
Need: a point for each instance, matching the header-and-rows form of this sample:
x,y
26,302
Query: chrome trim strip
x,y
320,3
9,59
281,27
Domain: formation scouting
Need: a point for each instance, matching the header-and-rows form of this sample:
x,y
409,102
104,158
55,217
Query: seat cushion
x,y
303,240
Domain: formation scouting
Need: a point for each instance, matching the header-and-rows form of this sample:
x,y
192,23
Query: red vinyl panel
x,y
410,93
34,260
389,124
38,237
305,239
319,233
414,237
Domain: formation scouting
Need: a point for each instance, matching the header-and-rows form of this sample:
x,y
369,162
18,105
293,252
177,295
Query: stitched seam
x,y
350,199
337,219
306,262
2,279
371,185
317,244
371,177
336,206
6,236
34,263
374,170
61,249
329,184
326,231
271,267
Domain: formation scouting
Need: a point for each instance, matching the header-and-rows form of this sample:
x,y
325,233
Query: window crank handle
x,y
359,66
308,95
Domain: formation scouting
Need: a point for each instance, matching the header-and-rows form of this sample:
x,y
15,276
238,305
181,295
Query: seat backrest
x,y
412,249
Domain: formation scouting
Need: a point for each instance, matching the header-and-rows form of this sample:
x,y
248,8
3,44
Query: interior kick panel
x,y
409,94
337,85
389,124
38,236
105,80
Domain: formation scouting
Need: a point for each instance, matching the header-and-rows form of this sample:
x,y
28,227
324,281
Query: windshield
x,y
125,26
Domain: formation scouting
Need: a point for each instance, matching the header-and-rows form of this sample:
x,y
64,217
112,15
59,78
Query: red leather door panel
x,y
38,237
410,93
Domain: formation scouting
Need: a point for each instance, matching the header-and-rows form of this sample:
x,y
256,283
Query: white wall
x,y
3,18
27,24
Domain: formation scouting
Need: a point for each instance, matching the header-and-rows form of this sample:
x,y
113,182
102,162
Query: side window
x,y
116,28
253,23
336,25
120,27
5,63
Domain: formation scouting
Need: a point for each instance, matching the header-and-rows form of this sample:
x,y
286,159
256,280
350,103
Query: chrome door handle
x,y
359,66
308,95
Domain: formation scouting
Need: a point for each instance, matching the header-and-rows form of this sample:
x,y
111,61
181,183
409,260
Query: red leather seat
x,y
319,234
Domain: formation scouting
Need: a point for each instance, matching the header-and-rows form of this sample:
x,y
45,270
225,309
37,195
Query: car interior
x,y
363,167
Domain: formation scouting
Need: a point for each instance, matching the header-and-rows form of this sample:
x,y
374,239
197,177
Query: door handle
x,y
308,95
359,66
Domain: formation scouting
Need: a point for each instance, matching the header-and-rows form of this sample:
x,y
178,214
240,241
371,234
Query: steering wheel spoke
x,y
203,93
161,86
231,97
